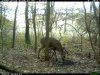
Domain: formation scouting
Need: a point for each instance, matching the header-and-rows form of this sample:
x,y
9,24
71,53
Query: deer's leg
x,y
62,55
39,51
55,55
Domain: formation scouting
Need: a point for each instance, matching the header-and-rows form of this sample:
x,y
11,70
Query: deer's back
x,y
53,43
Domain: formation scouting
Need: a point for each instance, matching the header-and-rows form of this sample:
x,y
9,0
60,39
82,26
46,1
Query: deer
x,y
53,44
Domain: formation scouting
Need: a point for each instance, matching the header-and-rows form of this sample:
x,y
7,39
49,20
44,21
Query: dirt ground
x,y
26,61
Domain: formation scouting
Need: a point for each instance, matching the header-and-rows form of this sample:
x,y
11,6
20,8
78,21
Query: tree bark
x,y
97,19
34,25
14,27
88,30
47,30
27,36
1,27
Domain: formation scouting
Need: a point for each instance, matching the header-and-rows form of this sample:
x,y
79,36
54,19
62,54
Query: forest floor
x,y
24,60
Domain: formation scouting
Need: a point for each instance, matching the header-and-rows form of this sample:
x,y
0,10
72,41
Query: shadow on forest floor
x,y
65,63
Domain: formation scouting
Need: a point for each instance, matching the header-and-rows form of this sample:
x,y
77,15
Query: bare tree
x,y
65,21
47,29
97,19
42,29
34,24
1,27
60,28
14,27
52,18
27,36
88,29
2,22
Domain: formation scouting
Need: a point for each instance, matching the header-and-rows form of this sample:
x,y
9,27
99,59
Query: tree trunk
x,y
88,30
42,29
65,22
47,30
14,27
27,36
1,27
81,42
51,16
97,19
34,25
60,33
